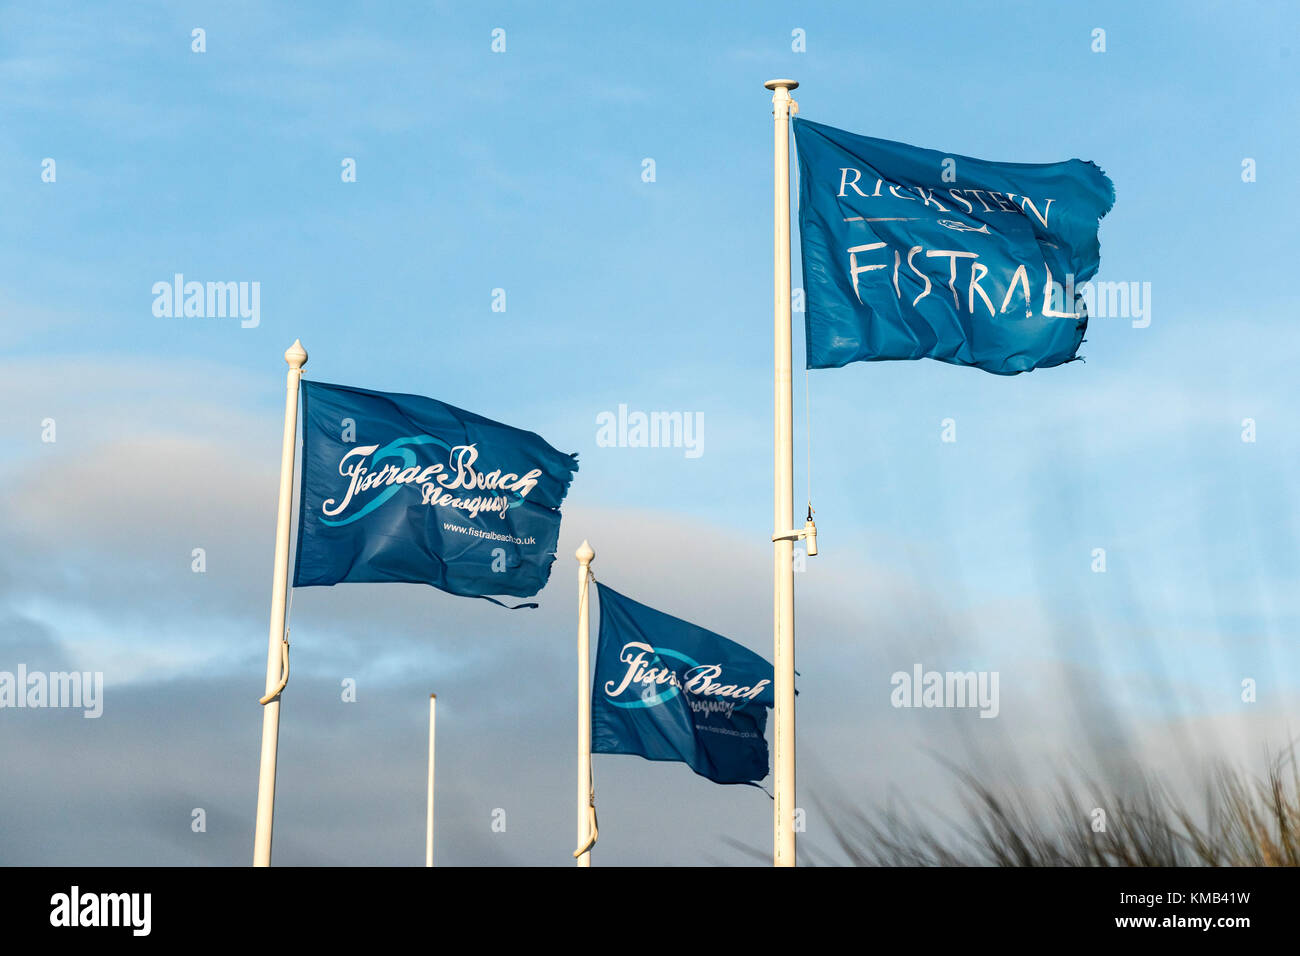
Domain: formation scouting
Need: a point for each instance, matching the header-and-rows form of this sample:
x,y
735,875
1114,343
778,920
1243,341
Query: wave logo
x,y
655,682
457,484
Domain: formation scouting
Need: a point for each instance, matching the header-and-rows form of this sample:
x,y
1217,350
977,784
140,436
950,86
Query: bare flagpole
x,y
428,827
277,654
585,556
783,537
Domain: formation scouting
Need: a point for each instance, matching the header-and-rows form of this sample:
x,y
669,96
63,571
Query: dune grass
x,y
1246,820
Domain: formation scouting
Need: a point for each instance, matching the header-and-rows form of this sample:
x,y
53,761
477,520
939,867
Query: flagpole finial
x,y
781,85
296,355
584,554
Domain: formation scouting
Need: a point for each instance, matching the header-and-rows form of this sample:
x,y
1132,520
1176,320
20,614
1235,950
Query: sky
x,y
521,176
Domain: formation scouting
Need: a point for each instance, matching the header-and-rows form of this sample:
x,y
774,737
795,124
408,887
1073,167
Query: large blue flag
x,y
665,689
406,488
913,253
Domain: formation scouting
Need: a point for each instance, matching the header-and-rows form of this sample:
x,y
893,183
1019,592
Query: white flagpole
x,y
585,555
428,829
783,514
277,651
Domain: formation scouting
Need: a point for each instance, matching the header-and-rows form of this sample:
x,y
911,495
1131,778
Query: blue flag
x,y
913,253
406,488
665,689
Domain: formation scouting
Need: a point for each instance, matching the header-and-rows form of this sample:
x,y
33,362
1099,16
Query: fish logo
x,y
963,227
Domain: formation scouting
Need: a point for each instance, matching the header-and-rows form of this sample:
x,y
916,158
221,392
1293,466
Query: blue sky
x,y
522,171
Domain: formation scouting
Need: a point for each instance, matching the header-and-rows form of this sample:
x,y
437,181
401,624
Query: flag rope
x,y
284,674
807,431
591,813
284,654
